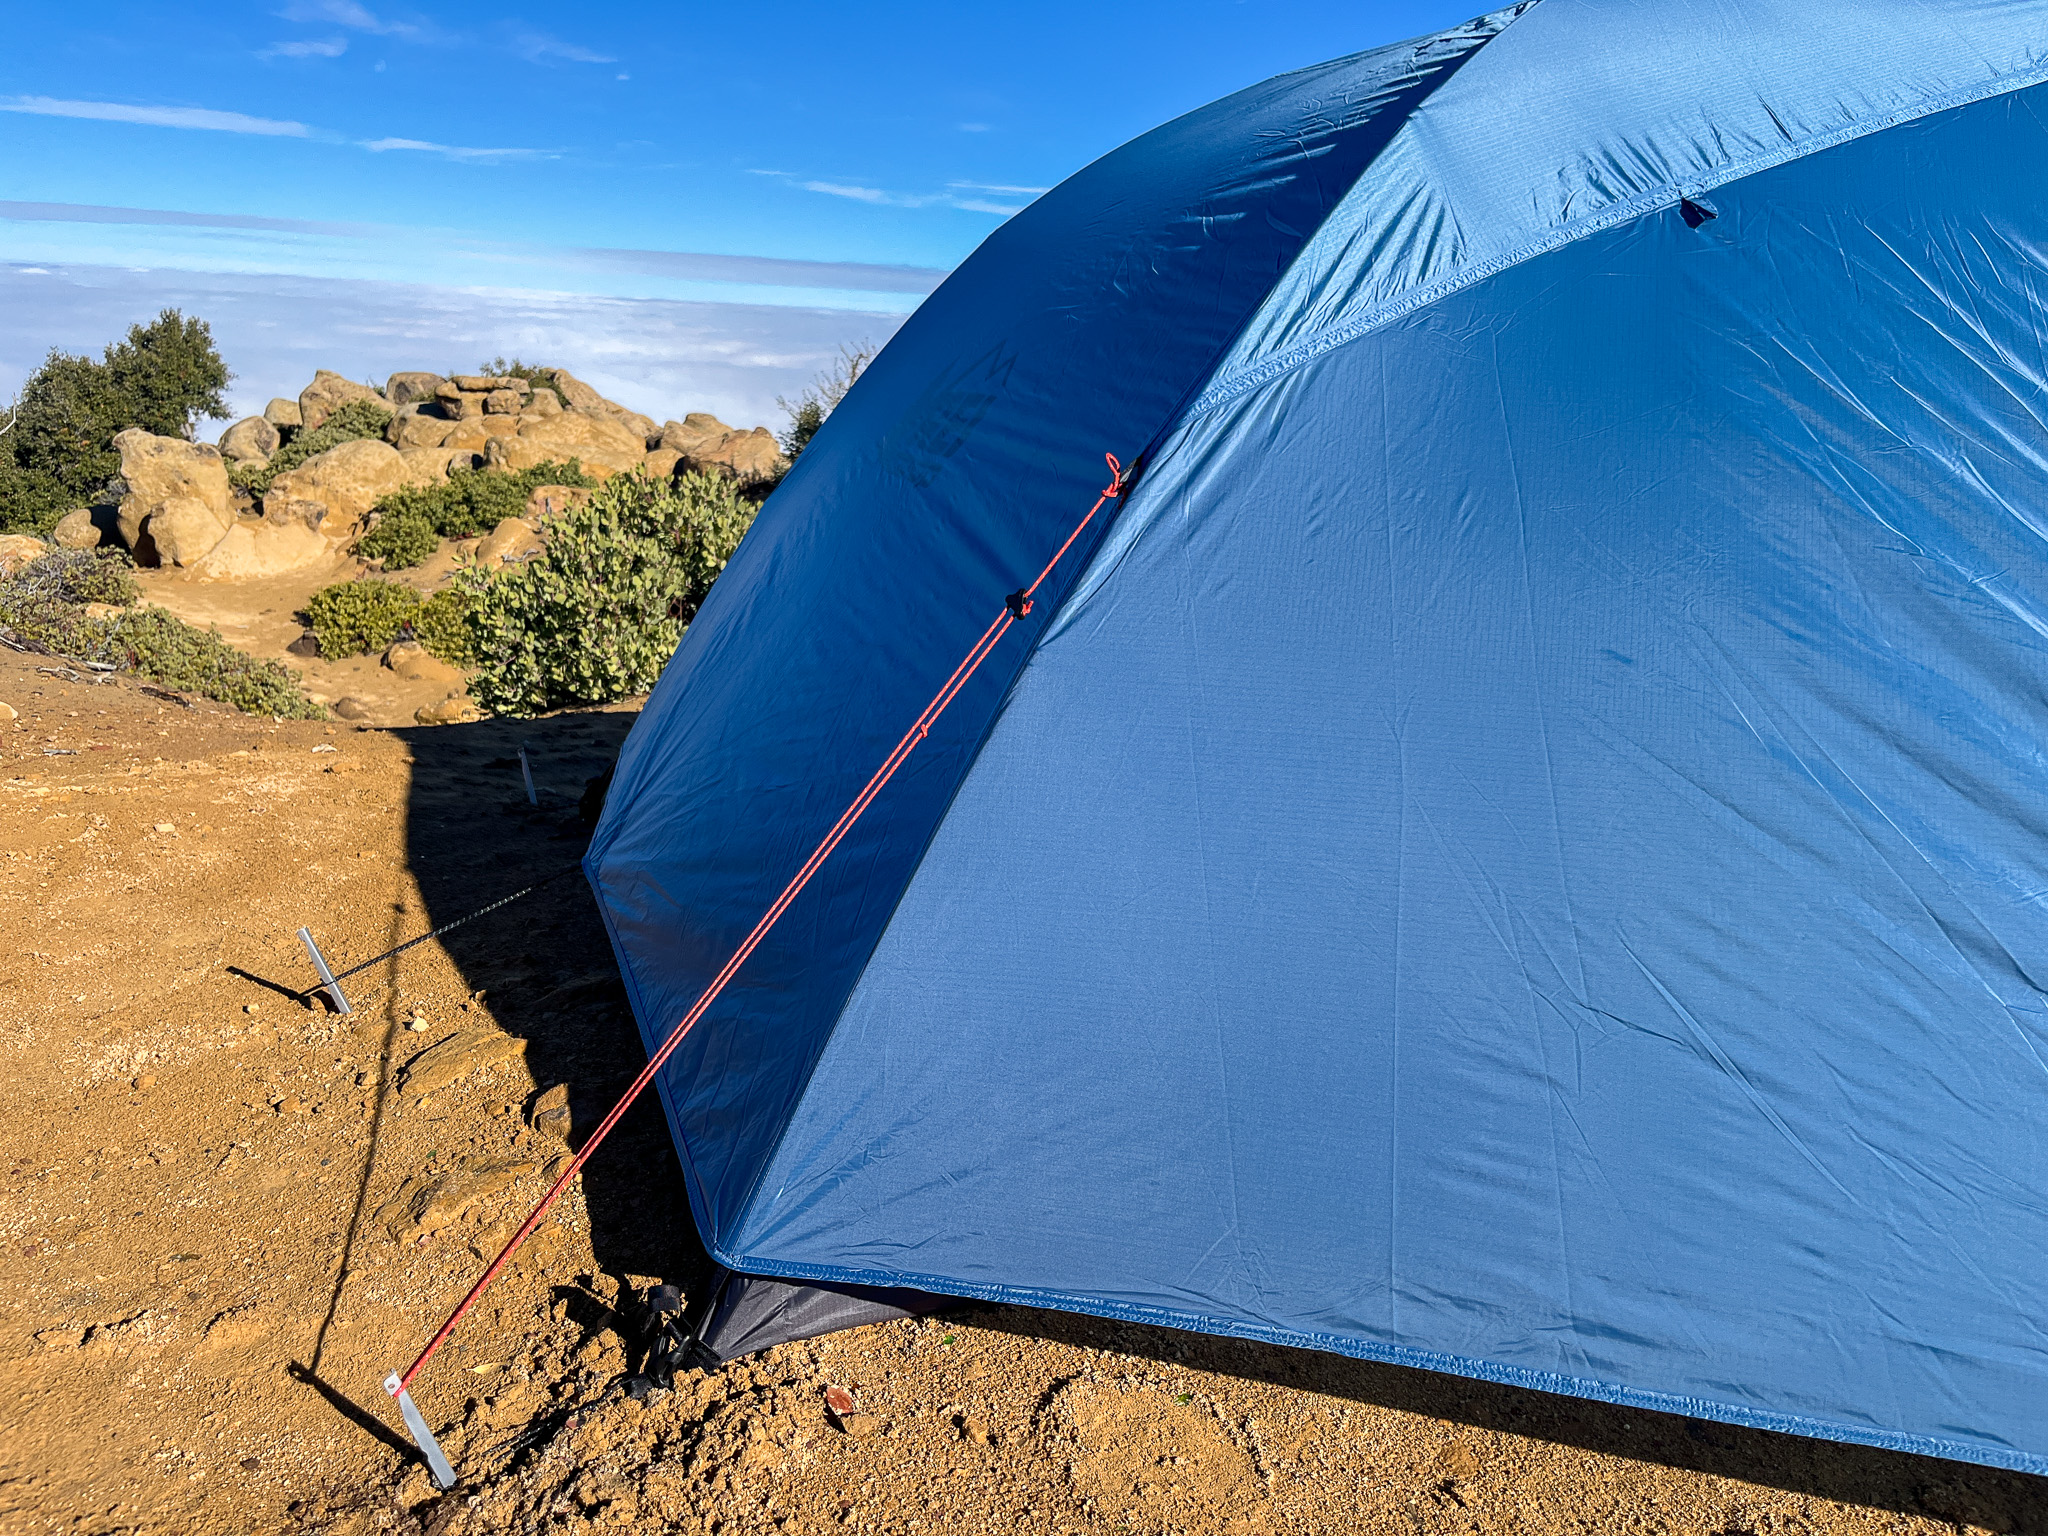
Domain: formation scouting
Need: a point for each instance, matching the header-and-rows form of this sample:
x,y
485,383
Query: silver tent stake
x,y
326,976
444,1475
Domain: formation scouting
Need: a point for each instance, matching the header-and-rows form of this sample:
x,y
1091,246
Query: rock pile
x,y
179,506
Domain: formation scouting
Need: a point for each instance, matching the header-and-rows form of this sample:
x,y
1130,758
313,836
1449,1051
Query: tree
x,y
807,412
57,441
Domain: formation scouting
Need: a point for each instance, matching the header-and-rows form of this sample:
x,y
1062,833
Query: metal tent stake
x,y
444,1475
526,769
326,976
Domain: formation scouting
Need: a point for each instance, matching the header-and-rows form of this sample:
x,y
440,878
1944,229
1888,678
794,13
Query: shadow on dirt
x,y
544,962
551,978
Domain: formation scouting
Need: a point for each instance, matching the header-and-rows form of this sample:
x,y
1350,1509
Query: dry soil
x,y
228,1212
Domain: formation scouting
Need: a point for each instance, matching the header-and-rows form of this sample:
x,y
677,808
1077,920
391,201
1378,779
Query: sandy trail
x,y
226,1214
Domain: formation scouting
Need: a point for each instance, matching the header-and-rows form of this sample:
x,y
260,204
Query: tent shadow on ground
x,y
544,962
1962,1494
551,979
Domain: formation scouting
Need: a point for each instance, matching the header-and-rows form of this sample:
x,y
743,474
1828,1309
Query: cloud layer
x,y
207,119
662,357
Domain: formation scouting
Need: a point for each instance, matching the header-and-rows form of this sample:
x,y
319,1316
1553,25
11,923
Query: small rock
x,y
283,413
859,1425
456,709
62,1338
839,1400
18,550
351,709
308,645
252,1007
145,1082
291,1104
162,826
8,712
514,539
251,1464
550,1113
411,661
77,530
460,1054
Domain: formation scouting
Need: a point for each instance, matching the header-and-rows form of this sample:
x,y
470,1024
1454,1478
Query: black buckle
x,y
1018,602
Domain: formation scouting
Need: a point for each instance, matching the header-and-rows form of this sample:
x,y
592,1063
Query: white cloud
x,y
538,47
157,117
348,13
319,48
978,205
997,186
452,151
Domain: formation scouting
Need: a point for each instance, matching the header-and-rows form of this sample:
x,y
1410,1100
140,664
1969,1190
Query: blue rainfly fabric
x,y
1524,852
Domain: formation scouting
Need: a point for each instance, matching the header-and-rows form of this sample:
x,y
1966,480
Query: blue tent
x,y
1521,848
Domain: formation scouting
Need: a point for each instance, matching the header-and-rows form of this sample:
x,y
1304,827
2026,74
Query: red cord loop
x,y
1116,477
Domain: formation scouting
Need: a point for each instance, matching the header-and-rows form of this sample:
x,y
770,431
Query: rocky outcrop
x,y
158,469
407,388
418,430
250,550
751,455
412,662
184,529
699,429
348,480
283,413
328,393
251,439
600,442
661,462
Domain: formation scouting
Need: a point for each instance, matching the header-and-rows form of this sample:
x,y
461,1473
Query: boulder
x,y
18,550
294,512
514,539
250,550
328,393
484,383
751,455
158,469
412,662
283,413
251,438
406,388
545,402
424,466
348,479
78,530
469,435
577,395
697,430
661,462
552,500
501,426
418,431
456,709
504,402
185,529
598,440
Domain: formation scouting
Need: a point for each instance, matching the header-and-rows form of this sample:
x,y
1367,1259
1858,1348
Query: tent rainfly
x,y
1520,847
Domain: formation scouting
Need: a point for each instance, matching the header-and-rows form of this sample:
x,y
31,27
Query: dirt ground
x,y
228,1213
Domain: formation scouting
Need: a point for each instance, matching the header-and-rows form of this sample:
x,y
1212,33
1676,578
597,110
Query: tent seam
x,y
1668,195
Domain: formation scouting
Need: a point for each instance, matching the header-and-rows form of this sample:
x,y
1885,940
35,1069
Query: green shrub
x,y
58,449
597,616
472,502
357,419
354,617
44,606
818,399
442,626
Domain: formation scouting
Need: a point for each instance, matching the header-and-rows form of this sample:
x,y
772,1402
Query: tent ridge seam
x,y
1587,1387
1302,353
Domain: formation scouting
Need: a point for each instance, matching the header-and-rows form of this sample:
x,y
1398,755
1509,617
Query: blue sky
x,y
692,205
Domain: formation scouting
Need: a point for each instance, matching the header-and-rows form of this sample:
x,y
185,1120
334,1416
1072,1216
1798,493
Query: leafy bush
x,y
357,419
44,607
442,626
58,451
598,615
353,617
473,501
807,412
